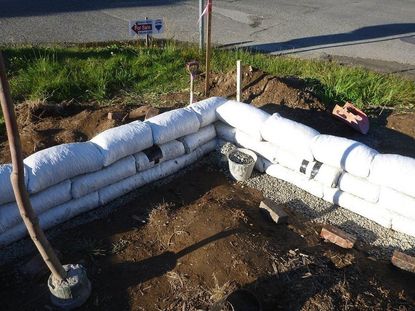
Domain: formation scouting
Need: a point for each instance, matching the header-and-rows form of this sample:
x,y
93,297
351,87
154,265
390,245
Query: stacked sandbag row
x,y
336,169
66,180
395,176
283,146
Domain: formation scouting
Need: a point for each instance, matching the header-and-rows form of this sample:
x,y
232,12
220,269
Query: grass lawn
x,y
123,70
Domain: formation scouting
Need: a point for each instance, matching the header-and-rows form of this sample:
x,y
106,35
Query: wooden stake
x,y
147,36
238,80
17,179
208,40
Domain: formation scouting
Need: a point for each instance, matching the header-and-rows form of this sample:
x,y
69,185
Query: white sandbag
x,y
158,154
320,172
364,208
42,201
206,109
52,217
244,117
290,160
295,178
195,140
119,142
6,189
347,154
395,171
261,148
50,166
359,187
289,135
325,174
157,172
225,132
142,162
262,164
173,124
111,192
397,202
84,184
403,224
171,150
206,148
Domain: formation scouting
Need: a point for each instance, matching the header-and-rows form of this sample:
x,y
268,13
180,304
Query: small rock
x,y
274,210
240,157
337,236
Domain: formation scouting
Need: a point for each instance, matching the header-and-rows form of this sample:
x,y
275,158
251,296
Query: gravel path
x,y
384,240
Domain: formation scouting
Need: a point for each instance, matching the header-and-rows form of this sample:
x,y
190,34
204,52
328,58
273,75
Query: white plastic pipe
x,y
238,80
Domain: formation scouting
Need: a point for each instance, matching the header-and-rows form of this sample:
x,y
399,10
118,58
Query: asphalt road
x,y
381,30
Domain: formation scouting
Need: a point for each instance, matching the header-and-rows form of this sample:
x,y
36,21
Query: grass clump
x,y
102,73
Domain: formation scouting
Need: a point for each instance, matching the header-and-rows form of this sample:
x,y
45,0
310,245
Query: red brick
x,y
337,236
274,210
403,261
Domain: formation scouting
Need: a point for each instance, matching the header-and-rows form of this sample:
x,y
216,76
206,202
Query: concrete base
x,y
74,291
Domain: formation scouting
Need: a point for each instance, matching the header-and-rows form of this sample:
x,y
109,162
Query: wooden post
x,y
208,40
147,36
191,89
238,80
17,179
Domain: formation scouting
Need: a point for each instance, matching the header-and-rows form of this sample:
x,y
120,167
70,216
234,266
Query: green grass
x,y
103,73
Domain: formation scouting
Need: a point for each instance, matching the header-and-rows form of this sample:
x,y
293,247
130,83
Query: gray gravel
x,y
240,157
317,210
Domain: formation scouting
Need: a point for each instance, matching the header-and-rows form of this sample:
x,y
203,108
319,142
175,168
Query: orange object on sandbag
x,y
352,116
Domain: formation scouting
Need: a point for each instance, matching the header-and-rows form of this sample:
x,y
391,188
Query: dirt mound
x,y
260,88
201,240
43,125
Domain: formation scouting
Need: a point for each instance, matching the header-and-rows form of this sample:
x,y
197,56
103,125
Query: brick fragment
x,y
152,112
139,113
274,210
403,261
337,236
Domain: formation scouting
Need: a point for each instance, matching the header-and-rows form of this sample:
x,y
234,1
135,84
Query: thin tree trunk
x,y
17,179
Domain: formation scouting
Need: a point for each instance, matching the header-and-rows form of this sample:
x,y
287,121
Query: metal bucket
x,y
241,171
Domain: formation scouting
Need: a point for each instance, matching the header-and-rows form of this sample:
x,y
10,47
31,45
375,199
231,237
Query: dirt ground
x,y
44,125
187,244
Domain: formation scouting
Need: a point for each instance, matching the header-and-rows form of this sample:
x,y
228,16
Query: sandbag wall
x,y
344,172
66,180
69,179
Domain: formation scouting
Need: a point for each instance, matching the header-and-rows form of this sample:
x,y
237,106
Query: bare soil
x,y
187,244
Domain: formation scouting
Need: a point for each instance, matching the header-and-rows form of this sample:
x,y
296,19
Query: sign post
x,y
146,27
201,25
